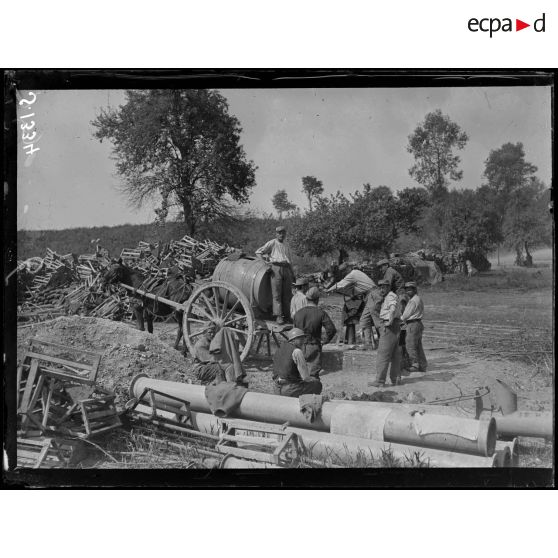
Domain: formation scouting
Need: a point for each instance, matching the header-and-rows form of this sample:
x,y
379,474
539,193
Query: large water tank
x,y
252,277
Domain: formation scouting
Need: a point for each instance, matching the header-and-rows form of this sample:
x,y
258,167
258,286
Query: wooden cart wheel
x,y
223,305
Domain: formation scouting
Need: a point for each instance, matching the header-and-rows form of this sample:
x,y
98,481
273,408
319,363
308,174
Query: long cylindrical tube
x,y
533,424
384,423
513,446
343,449
349,448
391,424
263,407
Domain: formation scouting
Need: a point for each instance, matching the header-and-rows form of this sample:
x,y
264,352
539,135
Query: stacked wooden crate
x,y
58,396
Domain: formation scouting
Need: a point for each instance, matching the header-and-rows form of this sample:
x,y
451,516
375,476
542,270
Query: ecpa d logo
x,y
494,24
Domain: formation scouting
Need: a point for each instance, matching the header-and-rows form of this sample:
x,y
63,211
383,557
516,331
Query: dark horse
x,y
176,287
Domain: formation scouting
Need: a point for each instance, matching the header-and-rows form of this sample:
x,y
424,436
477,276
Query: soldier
x,y
396,282
389,352
279,256
355,287
412,317
290,371
299,299
311,319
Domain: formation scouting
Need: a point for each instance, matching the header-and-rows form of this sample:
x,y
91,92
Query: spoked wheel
x,y
223,305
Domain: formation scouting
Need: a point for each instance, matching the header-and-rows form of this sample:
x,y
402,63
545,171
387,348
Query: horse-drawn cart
x,y
238,297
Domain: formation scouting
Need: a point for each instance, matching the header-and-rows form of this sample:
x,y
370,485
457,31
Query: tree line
x,y
181,150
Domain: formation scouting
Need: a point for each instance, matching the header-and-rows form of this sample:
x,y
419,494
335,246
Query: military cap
x,y
411,284
295,333
280,228
300,282
382,262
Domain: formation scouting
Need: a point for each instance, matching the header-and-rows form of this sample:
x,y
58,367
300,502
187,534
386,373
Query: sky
x,y
344,137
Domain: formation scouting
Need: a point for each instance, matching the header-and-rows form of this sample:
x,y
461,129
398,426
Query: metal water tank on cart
x,y
237,297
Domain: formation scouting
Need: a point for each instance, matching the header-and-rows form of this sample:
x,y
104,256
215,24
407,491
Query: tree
x,y
281,203
182,146
322,230
312,187
527,222
508,174
432,145
370,220
506,169
472,222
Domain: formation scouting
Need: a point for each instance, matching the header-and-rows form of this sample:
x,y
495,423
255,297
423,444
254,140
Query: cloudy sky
x,y
345,137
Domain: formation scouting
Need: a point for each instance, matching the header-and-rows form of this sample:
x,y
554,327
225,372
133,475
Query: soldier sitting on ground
x,y
212,363
290,371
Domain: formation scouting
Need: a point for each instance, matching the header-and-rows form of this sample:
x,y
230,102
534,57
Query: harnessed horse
x,y
175,288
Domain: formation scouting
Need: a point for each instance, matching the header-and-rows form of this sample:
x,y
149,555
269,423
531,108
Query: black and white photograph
x,y
248,270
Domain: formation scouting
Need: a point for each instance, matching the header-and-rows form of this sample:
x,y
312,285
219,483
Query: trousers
x,y
281,290
296,389
413,343
389,353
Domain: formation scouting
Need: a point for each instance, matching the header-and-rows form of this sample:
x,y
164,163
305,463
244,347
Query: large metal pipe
x,y
533,424
349,449
360,420
503,457
263,407
513,446
391,424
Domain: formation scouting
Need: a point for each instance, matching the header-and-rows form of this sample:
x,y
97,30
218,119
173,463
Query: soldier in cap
x,y
355,286
412,317
278,254
299,299
312,319
396,282
389,352
290,371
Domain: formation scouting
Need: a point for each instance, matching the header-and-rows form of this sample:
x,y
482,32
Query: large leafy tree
x,y
312,188
322,230
281,203
181,147
432,144
509,184
472,222
369,220
527,222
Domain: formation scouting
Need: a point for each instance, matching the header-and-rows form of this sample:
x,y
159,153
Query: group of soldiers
x,y
389,315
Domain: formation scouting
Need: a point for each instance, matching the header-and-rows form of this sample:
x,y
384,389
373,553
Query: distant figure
x,y
392,276
471,269
412,318
311,319
278,254
389,352
299,299
290,371
405,359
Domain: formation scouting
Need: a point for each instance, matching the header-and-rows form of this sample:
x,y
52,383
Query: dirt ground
x,y
473,336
